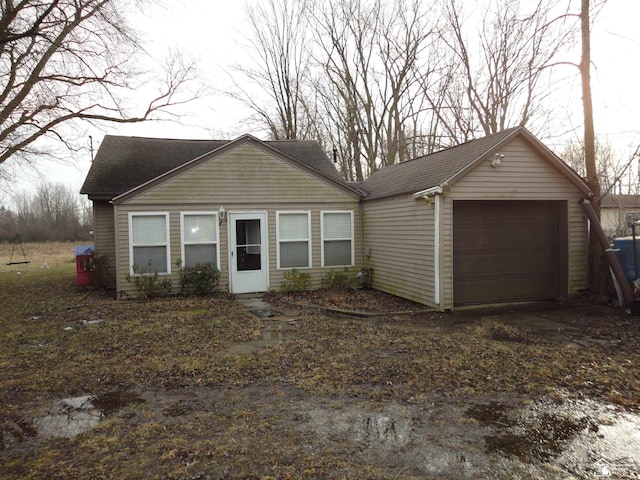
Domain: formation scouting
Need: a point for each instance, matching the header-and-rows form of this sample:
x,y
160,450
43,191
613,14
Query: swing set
x,y
17,240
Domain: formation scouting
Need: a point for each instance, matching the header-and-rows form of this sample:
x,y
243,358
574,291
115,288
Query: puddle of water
x,y
254,303
109,403
432,438
392,427
380,429
542,440
67,418
540,436
493,413
584,437
612,450
266,313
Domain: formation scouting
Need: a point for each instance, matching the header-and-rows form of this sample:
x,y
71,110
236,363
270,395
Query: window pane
x,y
253,232
149,229
294,254
337,225
150,259
293,226
195,254
337,253
199,228
248,232
247,260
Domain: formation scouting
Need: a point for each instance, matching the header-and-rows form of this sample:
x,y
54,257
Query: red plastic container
x,y
84,265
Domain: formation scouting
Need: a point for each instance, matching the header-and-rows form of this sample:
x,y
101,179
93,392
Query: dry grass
x,y
52,254
240,426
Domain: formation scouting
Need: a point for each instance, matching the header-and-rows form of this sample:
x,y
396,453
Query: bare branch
x,y
66,61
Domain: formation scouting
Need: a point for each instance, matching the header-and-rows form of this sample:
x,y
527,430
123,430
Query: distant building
x,y
617,214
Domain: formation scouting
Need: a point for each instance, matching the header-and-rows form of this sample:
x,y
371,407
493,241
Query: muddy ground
x,y
330,384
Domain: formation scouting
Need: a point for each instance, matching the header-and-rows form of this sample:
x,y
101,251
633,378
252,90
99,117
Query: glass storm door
x,y
248,252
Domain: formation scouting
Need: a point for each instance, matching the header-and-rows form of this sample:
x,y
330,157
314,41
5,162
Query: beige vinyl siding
x,y
522,175
245,175
244,180
276,276
399,233
104,239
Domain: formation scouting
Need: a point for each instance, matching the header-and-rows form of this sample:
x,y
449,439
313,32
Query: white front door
x,y
248,271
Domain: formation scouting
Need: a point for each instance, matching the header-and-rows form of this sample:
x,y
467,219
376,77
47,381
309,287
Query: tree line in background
x,y
54,212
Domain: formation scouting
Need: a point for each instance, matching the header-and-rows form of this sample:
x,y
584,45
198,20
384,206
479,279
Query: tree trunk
x,y
596,264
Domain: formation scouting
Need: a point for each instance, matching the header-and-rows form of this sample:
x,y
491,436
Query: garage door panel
x,y
518,265
505,251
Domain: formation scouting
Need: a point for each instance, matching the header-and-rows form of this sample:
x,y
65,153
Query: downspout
x,y
362,241
436,247
622,283
433,197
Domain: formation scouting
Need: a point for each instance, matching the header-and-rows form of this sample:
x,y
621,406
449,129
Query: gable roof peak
x,y
448,165
433,169
124,163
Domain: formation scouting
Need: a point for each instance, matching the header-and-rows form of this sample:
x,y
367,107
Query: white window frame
x,y
322,239
308,239
216,241
166,243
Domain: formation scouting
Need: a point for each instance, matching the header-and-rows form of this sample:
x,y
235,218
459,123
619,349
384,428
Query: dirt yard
x,y
293,387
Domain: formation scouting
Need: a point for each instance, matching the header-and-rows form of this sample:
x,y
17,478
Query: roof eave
x,y
99,197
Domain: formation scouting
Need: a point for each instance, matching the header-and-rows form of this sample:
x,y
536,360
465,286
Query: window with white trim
x,y
294,239
149,243
337,239
199,238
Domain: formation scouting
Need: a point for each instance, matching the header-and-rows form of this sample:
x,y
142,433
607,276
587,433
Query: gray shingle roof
x,y
616,201
430,170
124,163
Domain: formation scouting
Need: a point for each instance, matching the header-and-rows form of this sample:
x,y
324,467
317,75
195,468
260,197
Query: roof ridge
x,y
502,132
138,137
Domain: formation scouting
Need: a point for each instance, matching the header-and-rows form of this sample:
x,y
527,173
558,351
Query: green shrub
x,y
149,285
295,281
201,279
338,280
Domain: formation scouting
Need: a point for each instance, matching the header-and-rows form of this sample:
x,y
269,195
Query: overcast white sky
x,y
214,29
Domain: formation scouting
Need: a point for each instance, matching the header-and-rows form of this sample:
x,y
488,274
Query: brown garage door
x,y
507,250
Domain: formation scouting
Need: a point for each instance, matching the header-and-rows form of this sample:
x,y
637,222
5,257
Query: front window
x,y
199,238
149,243
294,240
337,239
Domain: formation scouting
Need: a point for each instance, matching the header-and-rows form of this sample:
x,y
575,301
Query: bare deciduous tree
x,y
67,60
610,167
495,75
279,67
388,81
370,52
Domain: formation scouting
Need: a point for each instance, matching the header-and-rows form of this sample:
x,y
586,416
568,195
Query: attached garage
x,y
508,251
494,220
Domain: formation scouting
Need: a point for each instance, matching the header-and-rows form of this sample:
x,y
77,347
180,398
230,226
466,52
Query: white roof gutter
x,y
429,192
